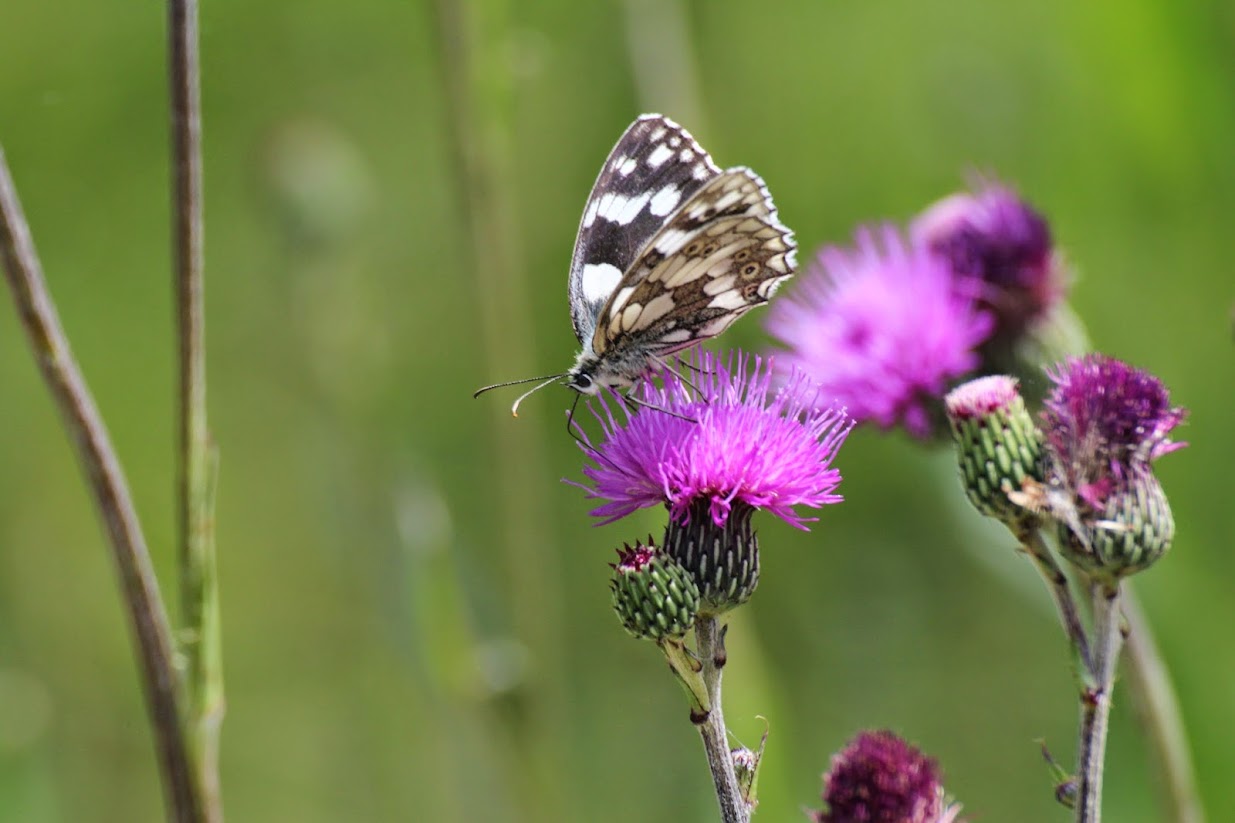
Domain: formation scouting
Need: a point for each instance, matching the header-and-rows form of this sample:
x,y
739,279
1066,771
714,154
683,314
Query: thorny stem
x,y
1096,701
1061,593
709,637
147,616
201,637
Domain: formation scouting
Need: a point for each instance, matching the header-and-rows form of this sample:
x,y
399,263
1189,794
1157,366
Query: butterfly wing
x,y
721,254
655,166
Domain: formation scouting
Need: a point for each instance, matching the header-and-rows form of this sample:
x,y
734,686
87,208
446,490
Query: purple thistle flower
x,y
884,328
879,778
727,440
1105,422
997,238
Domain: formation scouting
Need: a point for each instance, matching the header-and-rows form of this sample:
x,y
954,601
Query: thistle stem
x,y
1061,593
1096,700
709,637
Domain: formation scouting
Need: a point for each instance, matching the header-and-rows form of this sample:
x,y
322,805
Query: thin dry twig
x,y
105,478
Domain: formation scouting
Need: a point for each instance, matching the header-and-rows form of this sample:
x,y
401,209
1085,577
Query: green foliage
x,y
415,616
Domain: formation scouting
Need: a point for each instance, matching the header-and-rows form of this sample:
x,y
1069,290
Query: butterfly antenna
x,y
548,378
514,409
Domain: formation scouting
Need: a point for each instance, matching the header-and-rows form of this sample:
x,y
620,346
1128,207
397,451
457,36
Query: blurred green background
x,y
416,616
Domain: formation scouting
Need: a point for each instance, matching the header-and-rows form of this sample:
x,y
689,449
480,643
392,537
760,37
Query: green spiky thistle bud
x,y
998,447
653,595
1129,531
723,560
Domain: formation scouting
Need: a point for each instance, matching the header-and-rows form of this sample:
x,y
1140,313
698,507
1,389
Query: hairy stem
x,y
710,639
147,616
1096,701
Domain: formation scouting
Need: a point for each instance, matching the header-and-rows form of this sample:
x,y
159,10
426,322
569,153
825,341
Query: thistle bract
x,y
653,596
998,447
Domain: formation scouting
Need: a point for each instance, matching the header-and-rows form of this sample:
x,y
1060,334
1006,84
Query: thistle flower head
x,y
722,438
995,237
1105,421
879,778
884,328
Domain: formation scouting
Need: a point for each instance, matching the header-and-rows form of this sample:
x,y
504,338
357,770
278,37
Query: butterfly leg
x,y
682,378
632,402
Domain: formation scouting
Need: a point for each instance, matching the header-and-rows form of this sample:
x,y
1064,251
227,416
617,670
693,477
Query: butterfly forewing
x,y
654,168
723,252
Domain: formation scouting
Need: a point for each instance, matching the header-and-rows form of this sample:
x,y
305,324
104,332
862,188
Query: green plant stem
x,y
472,42
1096,701
1158,710
709,636
1061,593
200,638
105,479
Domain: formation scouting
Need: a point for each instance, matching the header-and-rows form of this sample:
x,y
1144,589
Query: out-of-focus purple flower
x,y
884,328
1104,422
879,778
996,238
725,439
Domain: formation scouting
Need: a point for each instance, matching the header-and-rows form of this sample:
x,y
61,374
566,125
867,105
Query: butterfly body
x,y
670,251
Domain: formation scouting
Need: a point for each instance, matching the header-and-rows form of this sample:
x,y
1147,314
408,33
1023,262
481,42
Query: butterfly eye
x,y
582,382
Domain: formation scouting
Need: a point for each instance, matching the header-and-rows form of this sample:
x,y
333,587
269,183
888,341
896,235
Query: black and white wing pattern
x,y
671,251
655,166
721,254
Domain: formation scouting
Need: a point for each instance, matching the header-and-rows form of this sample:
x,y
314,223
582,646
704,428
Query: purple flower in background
x,y
879,778
725,439
1105,422
996,238
884,328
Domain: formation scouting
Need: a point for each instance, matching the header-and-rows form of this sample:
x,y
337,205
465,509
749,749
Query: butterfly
x,y
671,250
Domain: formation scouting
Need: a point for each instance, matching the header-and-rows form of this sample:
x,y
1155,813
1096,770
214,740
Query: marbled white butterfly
x,y
670,251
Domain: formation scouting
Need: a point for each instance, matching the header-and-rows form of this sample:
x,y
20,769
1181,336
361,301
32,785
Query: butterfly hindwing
x,y
721,254
654,168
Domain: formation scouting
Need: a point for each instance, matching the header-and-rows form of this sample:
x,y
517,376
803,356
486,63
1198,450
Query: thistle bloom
x,y
1105,423
996,238
714,450
725,439
879,778
885,328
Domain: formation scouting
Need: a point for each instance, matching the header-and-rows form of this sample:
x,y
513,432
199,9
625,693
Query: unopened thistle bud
x,y
997,445
653,596
1105,424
